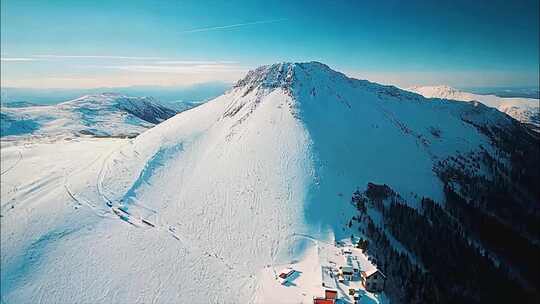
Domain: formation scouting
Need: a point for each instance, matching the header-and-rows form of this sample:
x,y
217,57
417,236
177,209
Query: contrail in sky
x,y
224,27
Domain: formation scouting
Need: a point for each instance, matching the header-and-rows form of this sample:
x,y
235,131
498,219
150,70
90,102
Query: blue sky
x,y
119,43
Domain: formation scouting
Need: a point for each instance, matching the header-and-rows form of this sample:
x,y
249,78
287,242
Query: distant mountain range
x,y
163,94
525,110
105,114
524,92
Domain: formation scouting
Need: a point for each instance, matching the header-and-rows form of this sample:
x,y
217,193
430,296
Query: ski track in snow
x,y
14,165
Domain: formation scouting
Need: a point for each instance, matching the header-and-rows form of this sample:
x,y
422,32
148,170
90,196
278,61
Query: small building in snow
x,y
352,261
323,301
285,274
330,294
348,273
356,268
374,280
330,297
328,279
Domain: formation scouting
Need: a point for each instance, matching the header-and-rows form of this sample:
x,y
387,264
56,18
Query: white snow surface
x,y
525,110
228,186
106,114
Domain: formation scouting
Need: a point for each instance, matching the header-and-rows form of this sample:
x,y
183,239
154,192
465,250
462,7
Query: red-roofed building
x,y
330,294
323,301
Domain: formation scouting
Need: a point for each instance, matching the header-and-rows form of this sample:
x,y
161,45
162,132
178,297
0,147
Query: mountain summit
x,y
282,74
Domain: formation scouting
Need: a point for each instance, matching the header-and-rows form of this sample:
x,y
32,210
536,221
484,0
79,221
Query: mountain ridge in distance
x,y
106,114
525,110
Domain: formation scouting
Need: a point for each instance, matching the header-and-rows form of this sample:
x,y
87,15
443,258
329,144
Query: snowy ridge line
x,y
97,115
525,110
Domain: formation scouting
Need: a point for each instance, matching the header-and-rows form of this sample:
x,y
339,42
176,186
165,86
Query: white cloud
x,y
121,78
193,62
111,73
154,60
98,57
14,59
180,69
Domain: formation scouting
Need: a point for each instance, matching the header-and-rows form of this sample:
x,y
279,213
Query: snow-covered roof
x,y
286,273
327,280
348,269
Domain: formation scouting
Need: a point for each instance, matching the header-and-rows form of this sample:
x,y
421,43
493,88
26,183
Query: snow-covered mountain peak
x,y
284,75
440,88
310,86
295,80
442,91
104,99
269,76
145,108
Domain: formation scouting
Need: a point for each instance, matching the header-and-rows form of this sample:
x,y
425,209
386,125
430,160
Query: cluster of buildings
x,y
351,276
347,276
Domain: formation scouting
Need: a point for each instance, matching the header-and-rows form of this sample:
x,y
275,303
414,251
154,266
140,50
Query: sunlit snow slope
x,y
525,110
103,115
227,188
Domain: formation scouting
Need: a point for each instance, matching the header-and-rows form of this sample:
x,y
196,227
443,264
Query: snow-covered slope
x,y
525,110
202,205
101,115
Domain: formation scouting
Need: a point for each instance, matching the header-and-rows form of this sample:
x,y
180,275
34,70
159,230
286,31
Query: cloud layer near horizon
x,y
89,71
85,71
